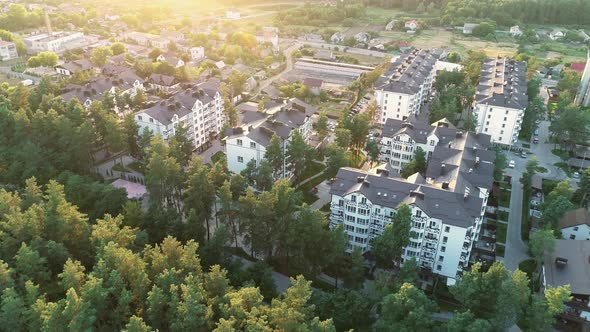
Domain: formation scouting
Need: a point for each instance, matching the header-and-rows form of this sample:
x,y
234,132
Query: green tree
x,y
407,310
499,164
542,242
336,159
131,130
321,126
467,322
389,245
43,59
343,138
297,155
118,48
373,151
355,276
100,54
275,155
181,146
349,309
199,195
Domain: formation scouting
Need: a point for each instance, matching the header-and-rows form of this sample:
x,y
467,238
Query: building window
x,y
447,229
139,118
576,228
439,267
419,213
503,125
506,111
505,118
486,130
487,123
432,142
353,198
443,249
445,239
441,258
151,120
252,145
240,159
500,138
572,237
239,142
489,116
364,200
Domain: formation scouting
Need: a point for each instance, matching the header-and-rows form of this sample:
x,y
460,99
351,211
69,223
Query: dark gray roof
x,y
502,83
468,164
163,80
451,207
181,104
575,271
408,72
419,131
77,65
250,116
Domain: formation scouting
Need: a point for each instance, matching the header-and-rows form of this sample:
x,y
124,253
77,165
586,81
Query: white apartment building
x,y
400,139
501,99
448,205
198,108
250,141
575,225
405,86
57,42
7,50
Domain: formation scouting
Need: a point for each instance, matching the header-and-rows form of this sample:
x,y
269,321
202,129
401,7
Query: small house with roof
x,y
575,225
468,28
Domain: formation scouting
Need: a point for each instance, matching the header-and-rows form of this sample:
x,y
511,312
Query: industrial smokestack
x,y
48,22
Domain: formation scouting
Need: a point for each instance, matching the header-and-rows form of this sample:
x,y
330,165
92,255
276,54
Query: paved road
x,y
516,249
289,59
281,281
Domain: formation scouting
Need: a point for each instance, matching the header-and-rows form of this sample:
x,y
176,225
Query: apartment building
x,y
501,99
57,42
404,87
448,204
250,141
400,139
7,50
199,108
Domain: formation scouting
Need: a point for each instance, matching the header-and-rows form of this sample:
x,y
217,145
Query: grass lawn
x,y
313,169
529,266
505,186
136,166
541,169
500,249
501,230
564,155
565,167
503,215
504,198
355,160
333,109
219,155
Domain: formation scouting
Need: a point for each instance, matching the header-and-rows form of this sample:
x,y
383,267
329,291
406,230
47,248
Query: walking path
x,y
516,250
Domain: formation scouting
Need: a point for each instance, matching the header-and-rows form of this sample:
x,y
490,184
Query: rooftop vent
x,y
360,179
442,168
459,134
560,262
445,185
367,183
417,194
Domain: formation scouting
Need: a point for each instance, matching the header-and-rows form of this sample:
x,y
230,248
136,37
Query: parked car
x,y
511,164
536,140
576,175
523,154
536,132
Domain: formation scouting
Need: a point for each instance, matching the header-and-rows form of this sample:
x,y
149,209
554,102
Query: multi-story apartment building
x,y
250,141
448,205
198,108
501,99
57,42
7,50
400,139
406,84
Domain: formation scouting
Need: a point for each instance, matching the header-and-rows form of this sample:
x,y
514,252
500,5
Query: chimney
x,y
360,179
445,185
560,262
459,134
367,183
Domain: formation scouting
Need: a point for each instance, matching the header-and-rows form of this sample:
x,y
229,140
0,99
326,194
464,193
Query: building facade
x,y
57,42
501,99
7,50
583,96
197,108
448,204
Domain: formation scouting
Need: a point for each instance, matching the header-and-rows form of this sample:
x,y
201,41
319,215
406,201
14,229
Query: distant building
x,y
175,36
556,34
362,37
468,28
161,82
58,42
337,38
583,95
232,14
72,67
515,31
199,108
7,50
575,225
412,25
500,100
314,85
269,35
391,25
171,59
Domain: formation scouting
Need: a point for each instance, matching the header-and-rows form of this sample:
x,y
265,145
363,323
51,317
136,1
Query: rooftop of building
x,y
419,130
569,264
502,83
575,217
453,208
407,73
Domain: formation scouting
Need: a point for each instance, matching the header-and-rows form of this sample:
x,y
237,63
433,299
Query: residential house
x,y
568,264
197,53
313,37
174,36
161,82
468,28
199,108
575,225
405,85
313,84
391,25
337,38
362,37
515,31
400,139
7,50
250,141
269,35
411,25
556,34
171,59
141,38
72,67
500,99
448,206
250,84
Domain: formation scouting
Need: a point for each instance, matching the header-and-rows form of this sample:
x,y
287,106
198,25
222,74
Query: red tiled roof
x,y
578,66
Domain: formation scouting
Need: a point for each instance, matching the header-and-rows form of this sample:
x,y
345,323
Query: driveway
x,y
546,158
516,250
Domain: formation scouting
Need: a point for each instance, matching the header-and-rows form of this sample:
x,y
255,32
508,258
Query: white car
x,y
511,164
